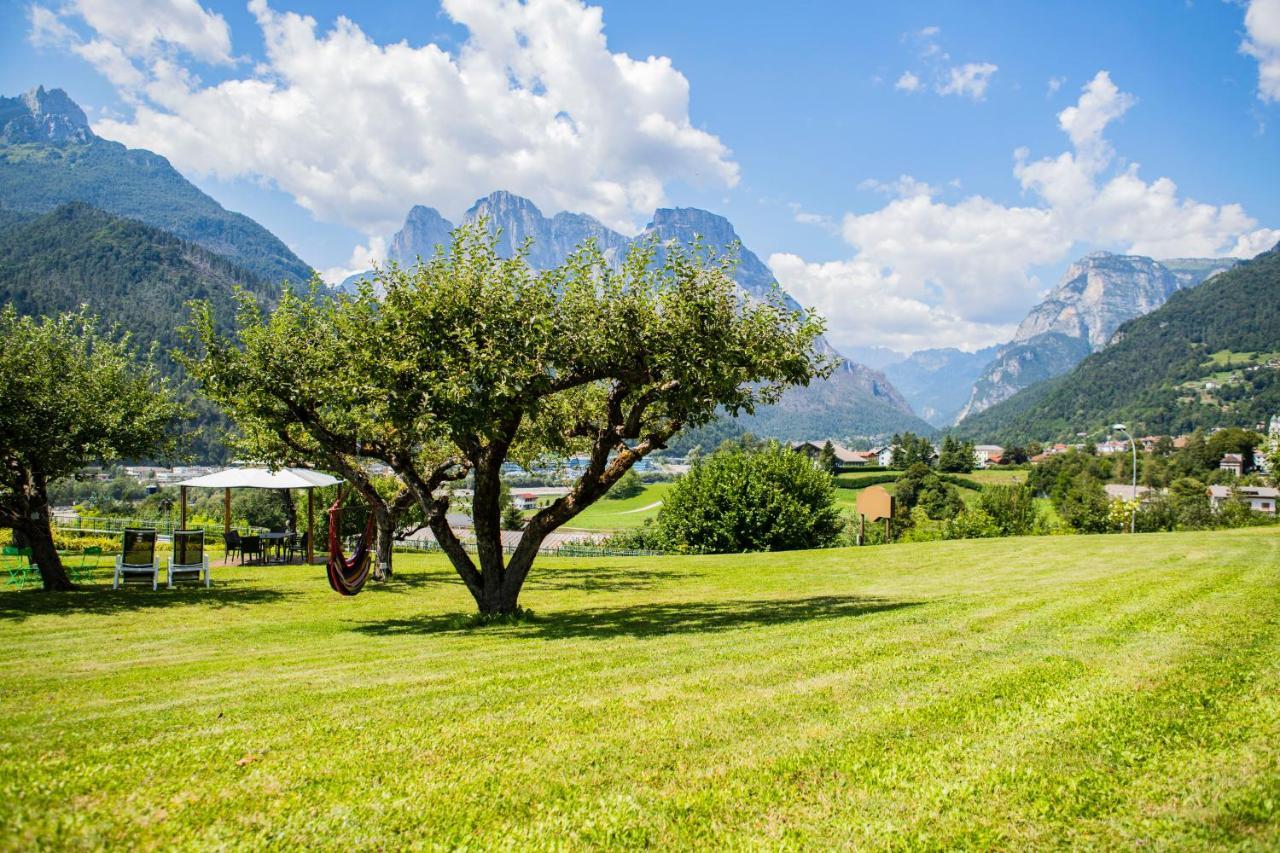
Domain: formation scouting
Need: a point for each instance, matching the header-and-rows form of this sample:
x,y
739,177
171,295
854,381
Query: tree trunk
x,y
290,510
39,538
386,541
486,518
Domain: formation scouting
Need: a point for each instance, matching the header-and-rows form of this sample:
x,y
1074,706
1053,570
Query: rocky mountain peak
x,y
1098,293
424,229
43,115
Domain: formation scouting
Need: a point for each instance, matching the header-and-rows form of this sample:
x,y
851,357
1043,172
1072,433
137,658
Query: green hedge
x,y
880,479
863,482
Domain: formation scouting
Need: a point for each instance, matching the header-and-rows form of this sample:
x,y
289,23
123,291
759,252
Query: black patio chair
x,y
231,539
298,545
251,546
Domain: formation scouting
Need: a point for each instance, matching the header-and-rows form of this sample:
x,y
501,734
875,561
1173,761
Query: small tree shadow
x,y
653,620
103,600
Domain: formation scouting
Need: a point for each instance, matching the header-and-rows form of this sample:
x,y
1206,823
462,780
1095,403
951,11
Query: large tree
x,y
284,381
468,359
70,396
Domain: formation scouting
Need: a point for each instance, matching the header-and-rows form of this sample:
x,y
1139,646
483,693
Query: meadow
x,y
1111,691
621,514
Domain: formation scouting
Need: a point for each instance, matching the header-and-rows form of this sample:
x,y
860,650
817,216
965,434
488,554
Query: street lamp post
x,y
1133,514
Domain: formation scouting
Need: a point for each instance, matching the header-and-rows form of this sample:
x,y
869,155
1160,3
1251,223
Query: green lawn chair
x,y
84,571
17,562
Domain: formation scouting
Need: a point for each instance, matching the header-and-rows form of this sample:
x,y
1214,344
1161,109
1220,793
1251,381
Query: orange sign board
x,y
875,503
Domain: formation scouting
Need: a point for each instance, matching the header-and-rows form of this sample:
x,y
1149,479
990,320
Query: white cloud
x,y
1055,83
963,274
970,80
357,132
865,305
362,259
1262,23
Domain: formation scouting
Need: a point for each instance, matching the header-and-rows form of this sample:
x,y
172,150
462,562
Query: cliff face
x,y
1097,294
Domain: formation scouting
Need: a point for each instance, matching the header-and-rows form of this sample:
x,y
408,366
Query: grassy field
x,y
1052,692
622,514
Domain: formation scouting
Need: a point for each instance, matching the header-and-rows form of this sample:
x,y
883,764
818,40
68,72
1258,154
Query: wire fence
x,y
107,525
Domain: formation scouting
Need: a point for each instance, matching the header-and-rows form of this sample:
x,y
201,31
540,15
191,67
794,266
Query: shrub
x,y
1083,505
971,523
1012,508
750,500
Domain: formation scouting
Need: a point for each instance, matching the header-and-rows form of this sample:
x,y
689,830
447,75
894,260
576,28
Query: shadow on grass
x,y
652,620
103,600
593,579
600,578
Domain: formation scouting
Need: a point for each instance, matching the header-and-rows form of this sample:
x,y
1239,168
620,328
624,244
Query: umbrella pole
x,y
311,526
182,513
226,511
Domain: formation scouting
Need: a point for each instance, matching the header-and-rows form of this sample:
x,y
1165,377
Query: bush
x,y
750,500
971,523
1084,506
1012,508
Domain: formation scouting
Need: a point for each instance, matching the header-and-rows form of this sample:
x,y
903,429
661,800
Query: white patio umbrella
x,y
260,478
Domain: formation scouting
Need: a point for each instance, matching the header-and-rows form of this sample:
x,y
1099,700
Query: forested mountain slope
x,y
1208,357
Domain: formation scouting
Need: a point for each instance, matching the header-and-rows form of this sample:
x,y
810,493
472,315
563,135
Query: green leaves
x,y
764,500
70,396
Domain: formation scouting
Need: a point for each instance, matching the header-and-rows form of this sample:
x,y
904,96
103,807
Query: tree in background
x,y
827,458
919,486
1084,505
911,449
628,487
1232,440
956,456
69,397
763,500
1011,507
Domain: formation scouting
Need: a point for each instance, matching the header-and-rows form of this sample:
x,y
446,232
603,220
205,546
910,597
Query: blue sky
x,y
905,168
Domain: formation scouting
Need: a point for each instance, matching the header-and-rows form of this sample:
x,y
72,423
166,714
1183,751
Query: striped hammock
x,y
347,575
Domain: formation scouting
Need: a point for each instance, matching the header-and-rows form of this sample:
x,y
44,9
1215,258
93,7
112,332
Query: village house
x,y
883,456
845,458
1260,498
1127,492
524,501
986,455
1232,463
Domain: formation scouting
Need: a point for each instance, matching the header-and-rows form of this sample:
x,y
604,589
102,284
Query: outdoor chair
x,y
137,560
251,546
17,562
188,560
83,571
298,545
231,539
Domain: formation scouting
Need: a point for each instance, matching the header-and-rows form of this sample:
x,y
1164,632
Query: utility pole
x,y
1133,514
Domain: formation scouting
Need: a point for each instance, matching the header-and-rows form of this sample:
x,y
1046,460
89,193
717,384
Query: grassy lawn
x,y
622,514
1053,692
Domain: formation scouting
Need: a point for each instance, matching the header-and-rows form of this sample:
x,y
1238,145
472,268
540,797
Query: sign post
x,y
875,503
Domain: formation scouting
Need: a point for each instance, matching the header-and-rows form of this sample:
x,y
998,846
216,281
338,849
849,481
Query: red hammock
x,y
348,576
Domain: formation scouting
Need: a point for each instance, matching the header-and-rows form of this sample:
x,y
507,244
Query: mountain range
x,y
855,401
1097,294
1208,356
